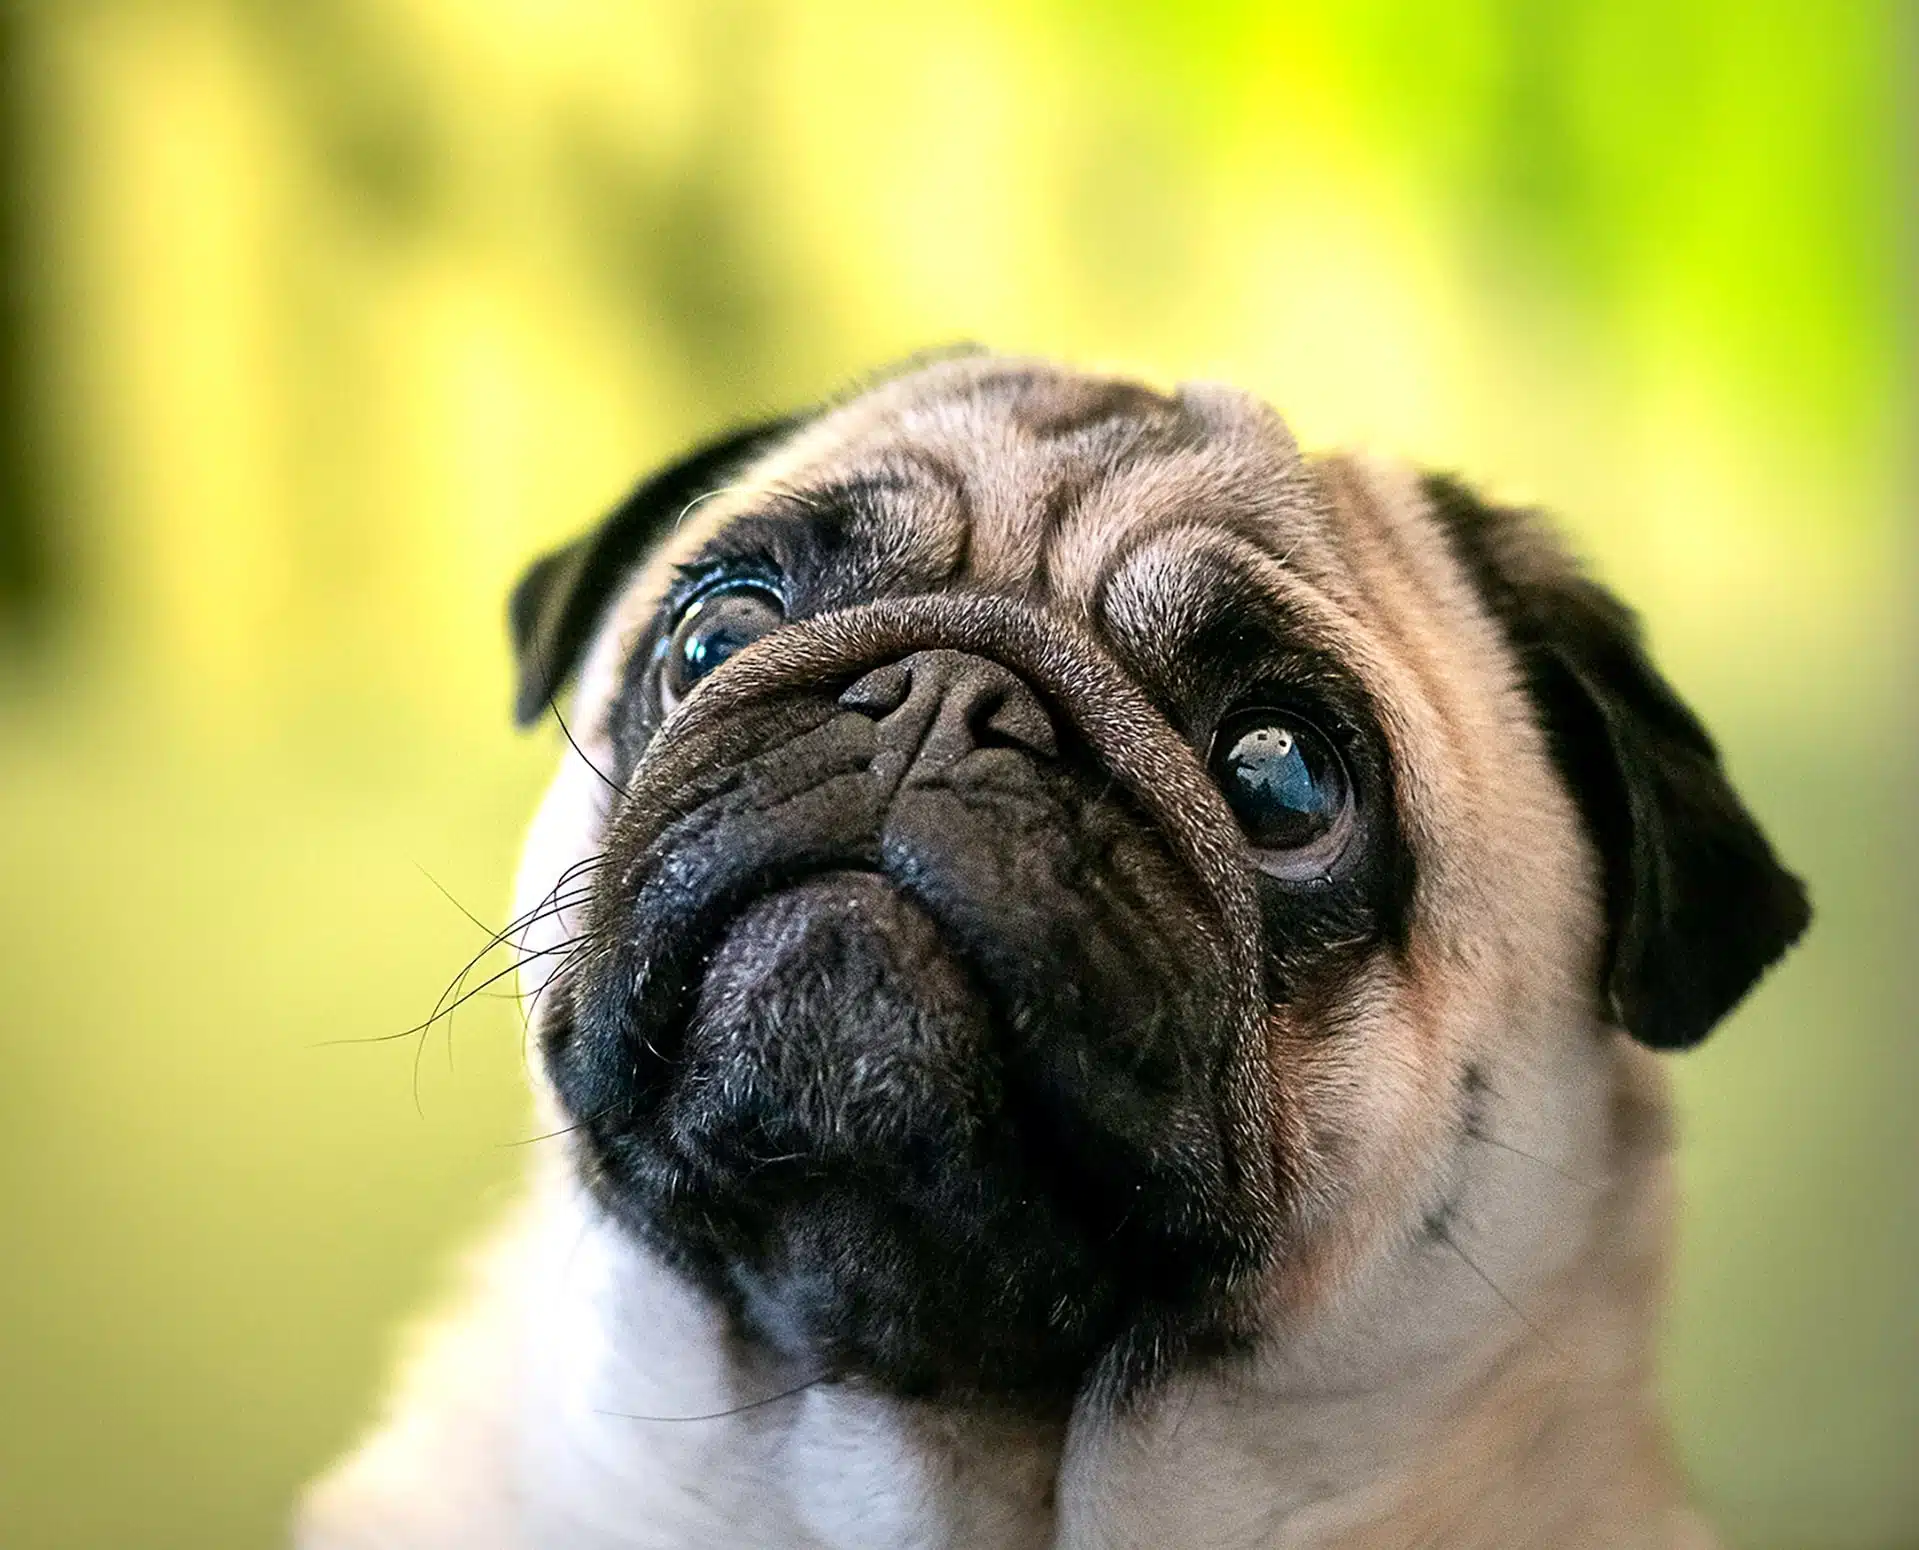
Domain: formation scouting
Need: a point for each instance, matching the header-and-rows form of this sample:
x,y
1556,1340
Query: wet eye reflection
x,y
1287,786
716,625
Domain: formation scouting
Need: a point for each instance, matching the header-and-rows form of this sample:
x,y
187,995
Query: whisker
x,y
553,705
572,948
442,1009
422,1027
444,1006
607,780
700,500
549,908
445,894
1546,1163
447,1013
551,1135
562,889
565,1130
558,897
1444,1234
530,1011
493,979
721,1415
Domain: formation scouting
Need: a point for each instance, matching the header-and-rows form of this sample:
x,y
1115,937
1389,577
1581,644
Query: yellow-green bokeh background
x,y
322,315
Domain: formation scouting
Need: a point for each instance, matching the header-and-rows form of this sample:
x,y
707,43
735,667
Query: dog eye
x,y
716,624
1288,787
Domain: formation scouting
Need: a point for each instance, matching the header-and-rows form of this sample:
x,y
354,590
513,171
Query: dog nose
x,y
938,706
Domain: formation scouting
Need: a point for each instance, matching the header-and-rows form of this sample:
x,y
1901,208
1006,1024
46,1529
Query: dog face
x,y
1052,884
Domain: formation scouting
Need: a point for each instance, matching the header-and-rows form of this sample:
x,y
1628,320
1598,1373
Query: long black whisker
x,y
564,1130
721,1415
404,1033
607,780
554,903
555,897
551,1135
553,705
466,996
530,1010
552,906
551,909
518,963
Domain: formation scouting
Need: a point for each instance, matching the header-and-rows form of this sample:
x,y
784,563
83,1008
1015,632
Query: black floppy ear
x,y
1697,905
557,603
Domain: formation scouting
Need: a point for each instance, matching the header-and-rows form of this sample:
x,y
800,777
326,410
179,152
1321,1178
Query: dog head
x,y
1050,884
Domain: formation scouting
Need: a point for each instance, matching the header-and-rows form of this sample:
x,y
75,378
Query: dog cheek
x,y
1366,1120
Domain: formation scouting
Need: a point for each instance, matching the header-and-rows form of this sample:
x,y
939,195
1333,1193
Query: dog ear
x,y
556,605
1697,905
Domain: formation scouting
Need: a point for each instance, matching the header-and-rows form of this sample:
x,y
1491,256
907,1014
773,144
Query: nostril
x,y
880,692
936,706
1016,718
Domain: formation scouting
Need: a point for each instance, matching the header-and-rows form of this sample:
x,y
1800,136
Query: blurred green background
x,y
320,318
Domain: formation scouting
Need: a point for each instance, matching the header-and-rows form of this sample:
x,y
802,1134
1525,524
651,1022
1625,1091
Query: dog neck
x,y
1538,1427
646,1422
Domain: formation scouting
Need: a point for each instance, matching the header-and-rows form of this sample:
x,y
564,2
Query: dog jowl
x,y
1054,898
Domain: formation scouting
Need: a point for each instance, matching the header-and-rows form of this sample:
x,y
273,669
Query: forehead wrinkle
x,y
1087,511
1245,489
1016,472
919,540
963,439
1162,595
1022,439
1012,482
963,410
905,517
1254,541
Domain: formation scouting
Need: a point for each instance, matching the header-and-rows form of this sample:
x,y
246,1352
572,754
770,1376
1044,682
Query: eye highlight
x,y
718,623
1288,787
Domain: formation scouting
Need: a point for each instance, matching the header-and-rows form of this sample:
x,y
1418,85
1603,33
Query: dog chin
x,y
833,1022
845,1154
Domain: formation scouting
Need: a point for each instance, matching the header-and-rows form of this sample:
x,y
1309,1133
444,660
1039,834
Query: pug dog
x,y
1098,983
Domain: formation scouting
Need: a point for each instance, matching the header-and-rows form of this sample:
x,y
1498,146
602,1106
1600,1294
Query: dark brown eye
x,y
716,624
1288,787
